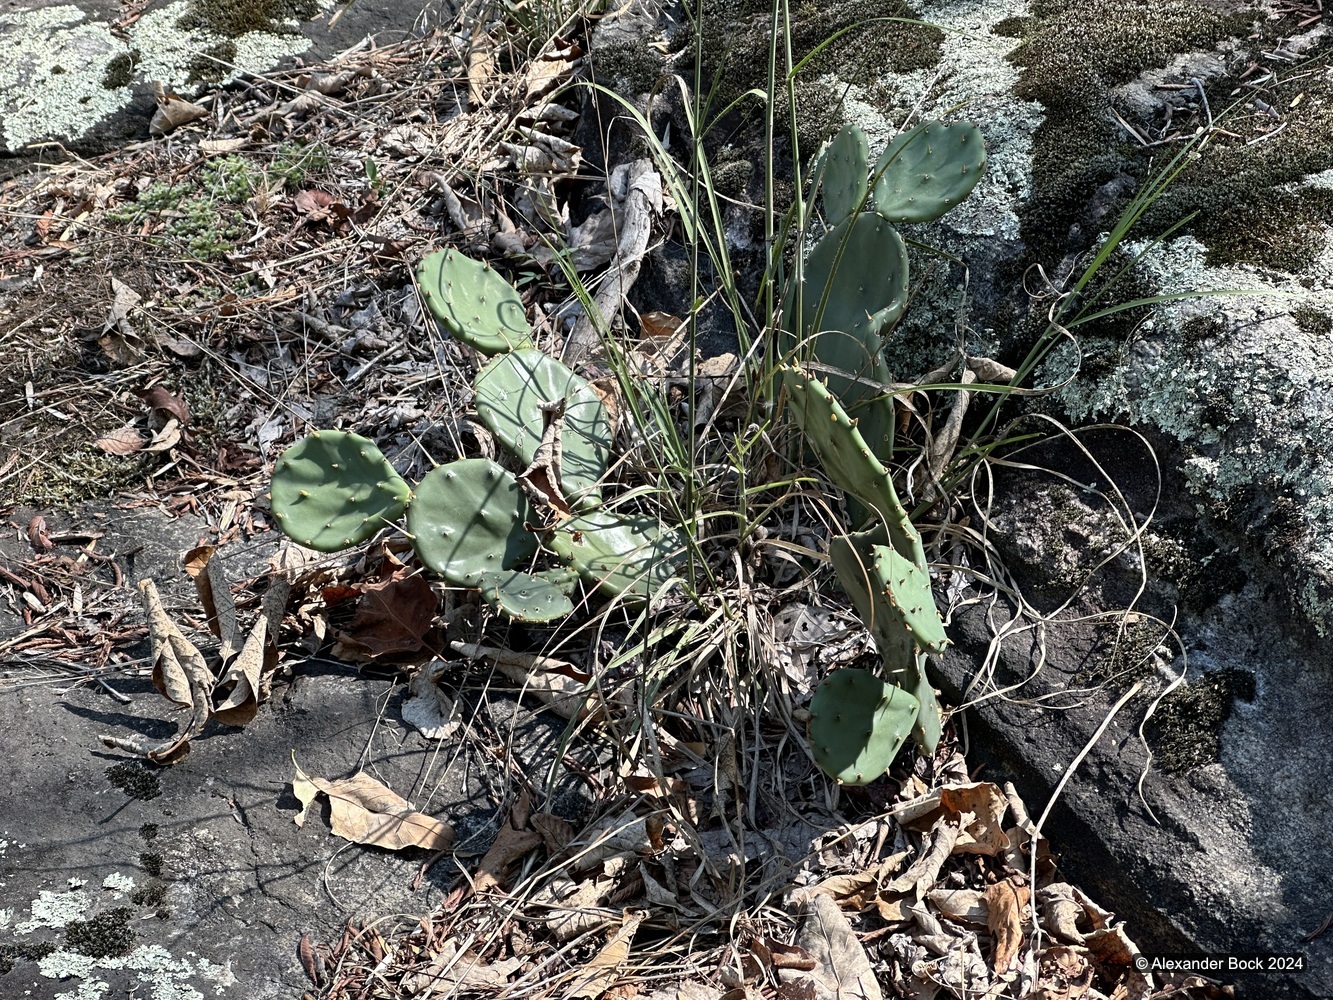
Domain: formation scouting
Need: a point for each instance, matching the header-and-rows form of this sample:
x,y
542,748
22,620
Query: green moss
x,y
103,936
120,70
1121,656
735,52
627,67
152,862
234,18
151,894
1185,731
213,64
1015,27
135,779
1313,321
11,954
148,831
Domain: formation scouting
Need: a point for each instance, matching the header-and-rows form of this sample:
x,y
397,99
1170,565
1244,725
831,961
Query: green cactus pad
x,y
929,720
906,589
527,597
333,490
845,183
509,393
467,521
844,454
859,271
928,170
630,556
858,723
474,303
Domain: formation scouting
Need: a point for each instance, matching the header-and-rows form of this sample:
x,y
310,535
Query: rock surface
x,y
193,880
80,74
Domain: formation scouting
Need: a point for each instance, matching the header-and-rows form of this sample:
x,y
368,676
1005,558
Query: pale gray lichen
x,y
167,977
1252,401
119,883
55,909
37,102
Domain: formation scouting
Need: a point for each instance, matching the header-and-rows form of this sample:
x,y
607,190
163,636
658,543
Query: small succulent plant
x,y
470,520
854,286
852,291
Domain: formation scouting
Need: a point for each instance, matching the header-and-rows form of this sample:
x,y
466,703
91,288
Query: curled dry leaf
x,y
553,681
159,398
179,673
364,811
511,844
392,617
1006,905
602,970
983,805
427,707
1064,974
122,441
172,112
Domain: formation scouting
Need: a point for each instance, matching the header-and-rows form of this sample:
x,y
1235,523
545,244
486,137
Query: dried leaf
x,y
511,844
310,960
179,673
983,805
541,479
1064,974
240,684
364,811
1061,912
172,112
601,971
392,617
167,438
122,441
842,971
159,398
1006,904
555,832
545,677
214,590
966,906
427,707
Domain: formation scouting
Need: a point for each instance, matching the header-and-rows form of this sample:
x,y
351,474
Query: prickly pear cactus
x,y
858,723
906,591
845,182
529,597
467,521
847,459
474,303
855,286
928,170
509,394
332,490
627,556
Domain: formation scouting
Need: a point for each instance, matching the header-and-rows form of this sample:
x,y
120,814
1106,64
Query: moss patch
x,y
11,954
234,18
736,49
120,70
134,779
1186,729
1313,321
103,936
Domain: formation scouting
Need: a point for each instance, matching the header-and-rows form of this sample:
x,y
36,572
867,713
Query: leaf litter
x,y
692,882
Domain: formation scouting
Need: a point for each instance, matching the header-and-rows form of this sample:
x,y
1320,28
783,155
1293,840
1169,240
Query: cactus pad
x,y
845,185
858,272
527,597
858,723
630,556
474,303
332,490
906,589
509,394
844,454
467,521
928,170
